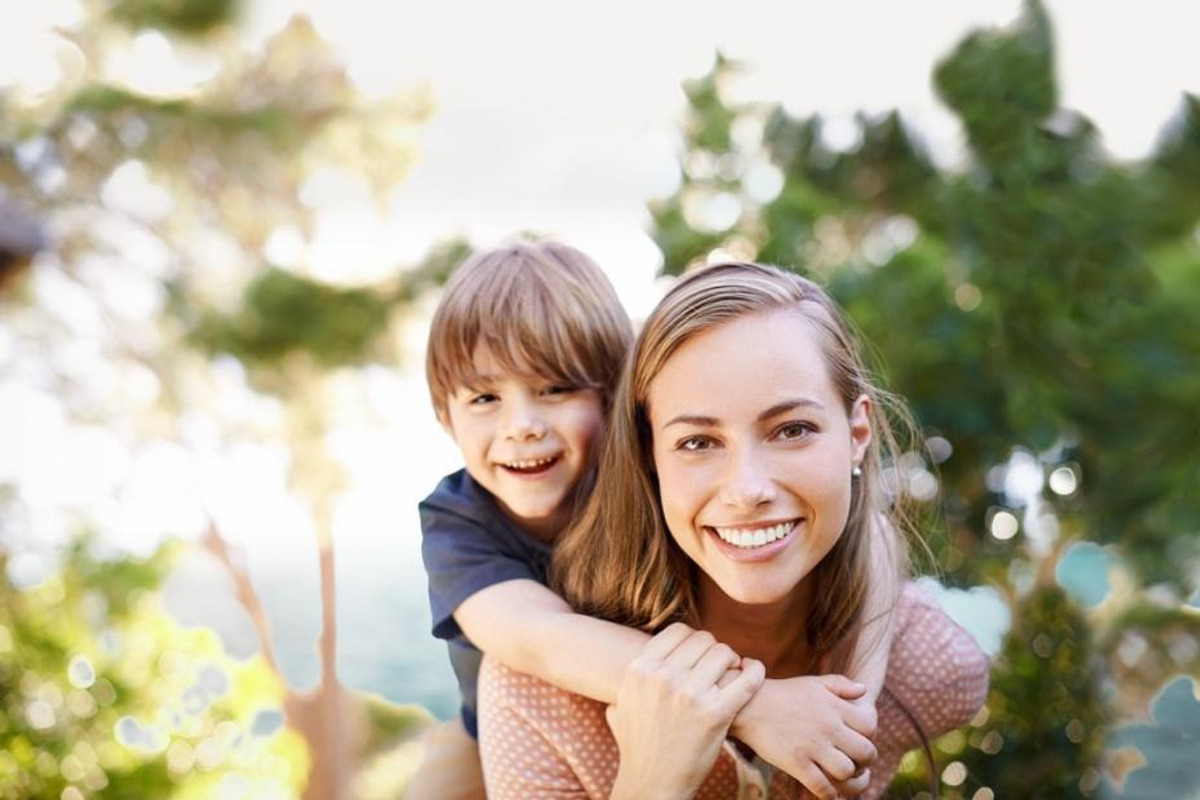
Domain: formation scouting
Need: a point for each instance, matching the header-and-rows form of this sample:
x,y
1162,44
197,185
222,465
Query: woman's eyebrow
x,y
774,411
692,419
790,405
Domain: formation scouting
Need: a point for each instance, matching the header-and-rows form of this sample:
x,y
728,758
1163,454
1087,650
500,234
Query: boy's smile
x,y
527,440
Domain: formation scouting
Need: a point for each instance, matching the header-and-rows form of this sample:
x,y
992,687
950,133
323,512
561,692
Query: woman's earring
x,y
856,472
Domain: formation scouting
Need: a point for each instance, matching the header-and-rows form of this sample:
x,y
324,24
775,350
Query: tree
x,y
176,197
1037,309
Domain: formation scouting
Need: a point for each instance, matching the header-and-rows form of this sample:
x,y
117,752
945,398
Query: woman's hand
x,y
818,729
673,711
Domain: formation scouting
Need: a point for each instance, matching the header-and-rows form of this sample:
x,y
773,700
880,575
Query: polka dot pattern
x,y
539,741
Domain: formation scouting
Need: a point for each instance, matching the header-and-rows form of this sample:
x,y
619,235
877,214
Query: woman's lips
x,y
774,538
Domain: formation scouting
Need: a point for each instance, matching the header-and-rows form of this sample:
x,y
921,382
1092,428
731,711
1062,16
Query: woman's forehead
x,y
747,365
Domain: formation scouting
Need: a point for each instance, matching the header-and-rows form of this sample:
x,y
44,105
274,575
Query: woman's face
x,y
754,450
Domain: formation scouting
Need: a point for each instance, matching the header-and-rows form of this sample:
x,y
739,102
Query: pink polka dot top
x,y
539,741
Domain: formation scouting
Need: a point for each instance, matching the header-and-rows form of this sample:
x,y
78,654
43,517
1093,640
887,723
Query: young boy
x,y
525,350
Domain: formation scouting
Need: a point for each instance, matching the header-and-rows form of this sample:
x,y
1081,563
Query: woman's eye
x,y
791,431
694,444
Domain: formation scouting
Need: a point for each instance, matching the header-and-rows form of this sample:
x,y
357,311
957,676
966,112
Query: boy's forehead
x,y
487,368
488,365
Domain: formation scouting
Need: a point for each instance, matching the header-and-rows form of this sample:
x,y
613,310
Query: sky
x,y
562,117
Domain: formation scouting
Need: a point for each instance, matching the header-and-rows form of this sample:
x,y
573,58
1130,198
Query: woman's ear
x,y
860,429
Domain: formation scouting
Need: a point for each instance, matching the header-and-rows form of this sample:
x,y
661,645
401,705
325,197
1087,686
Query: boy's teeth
x,y
740,537
528,463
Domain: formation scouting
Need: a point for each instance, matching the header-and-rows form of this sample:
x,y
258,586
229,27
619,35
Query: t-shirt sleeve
x,y
937,680
461,557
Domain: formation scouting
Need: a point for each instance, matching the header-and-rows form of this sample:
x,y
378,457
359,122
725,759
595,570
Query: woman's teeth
x,y
741,537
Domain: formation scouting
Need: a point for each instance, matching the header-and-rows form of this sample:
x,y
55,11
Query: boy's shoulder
x,y
459,503
459,494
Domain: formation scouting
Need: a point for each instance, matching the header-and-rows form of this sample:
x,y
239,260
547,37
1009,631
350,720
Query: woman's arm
x,y
673,711
660,739
798,724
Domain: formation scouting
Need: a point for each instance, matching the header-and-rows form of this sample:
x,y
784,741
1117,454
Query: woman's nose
x,y
747,482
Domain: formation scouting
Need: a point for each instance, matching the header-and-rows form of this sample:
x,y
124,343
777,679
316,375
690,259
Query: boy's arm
x,y
531,629
524,625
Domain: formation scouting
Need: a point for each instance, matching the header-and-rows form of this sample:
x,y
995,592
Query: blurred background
x,y
223,228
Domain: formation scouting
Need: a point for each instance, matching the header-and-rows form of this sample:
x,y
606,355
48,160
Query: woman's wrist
x,y
638,787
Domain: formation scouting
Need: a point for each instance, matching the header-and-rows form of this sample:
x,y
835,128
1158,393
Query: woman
x,y
736,493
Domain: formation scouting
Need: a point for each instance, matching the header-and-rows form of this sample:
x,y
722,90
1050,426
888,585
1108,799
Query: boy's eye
x,y
482,398
559,388
791,431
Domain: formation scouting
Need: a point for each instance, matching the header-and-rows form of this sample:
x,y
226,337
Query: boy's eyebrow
x,y
774,411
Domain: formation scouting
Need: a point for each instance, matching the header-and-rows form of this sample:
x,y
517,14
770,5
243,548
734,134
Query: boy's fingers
x,y
858,748
857,784
862,718
815,781
837,765
843,687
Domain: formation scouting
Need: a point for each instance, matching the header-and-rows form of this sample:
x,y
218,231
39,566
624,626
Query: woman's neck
x,y
773,633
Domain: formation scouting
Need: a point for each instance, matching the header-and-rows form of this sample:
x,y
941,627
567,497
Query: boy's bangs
x,y
548,353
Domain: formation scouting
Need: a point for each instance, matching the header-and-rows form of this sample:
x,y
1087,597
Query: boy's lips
x,y
529,466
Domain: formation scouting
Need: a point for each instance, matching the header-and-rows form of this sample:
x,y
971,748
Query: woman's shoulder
x,y
934,662
541,703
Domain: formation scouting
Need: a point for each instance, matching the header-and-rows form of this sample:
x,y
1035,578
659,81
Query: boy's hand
x,y
818,729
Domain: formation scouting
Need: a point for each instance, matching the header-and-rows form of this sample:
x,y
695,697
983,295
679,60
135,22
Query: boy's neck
x,y
545,529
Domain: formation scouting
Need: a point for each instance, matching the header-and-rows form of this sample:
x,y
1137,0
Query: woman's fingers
x,y
708,670
664,642
743,687
692,650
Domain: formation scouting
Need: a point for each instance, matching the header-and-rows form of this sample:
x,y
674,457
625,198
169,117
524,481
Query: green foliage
x,y
1041,301
1045,711
101,691
187,17
283,313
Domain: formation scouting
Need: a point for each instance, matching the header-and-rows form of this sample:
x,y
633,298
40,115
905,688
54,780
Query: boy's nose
x,y
524,423
746,484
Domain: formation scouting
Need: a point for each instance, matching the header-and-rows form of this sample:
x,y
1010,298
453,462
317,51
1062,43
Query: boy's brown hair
x,y
541,308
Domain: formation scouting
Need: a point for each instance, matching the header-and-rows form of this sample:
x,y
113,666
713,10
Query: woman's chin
x,y
758,593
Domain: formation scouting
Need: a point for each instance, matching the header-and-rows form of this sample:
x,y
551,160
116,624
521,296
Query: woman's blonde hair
x,y
618,561
539,307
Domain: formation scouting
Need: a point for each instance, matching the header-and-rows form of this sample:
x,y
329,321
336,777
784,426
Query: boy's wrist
x,y
746,722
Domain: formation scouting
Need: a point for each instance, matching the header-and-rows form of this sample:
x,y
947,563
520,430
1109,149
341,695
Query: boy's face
x,y
526,440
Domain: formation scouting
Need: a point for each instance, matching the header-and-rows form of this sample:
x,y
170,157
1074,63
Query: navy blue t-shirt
x,y
468,544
